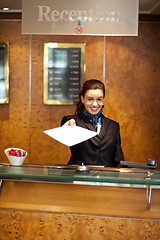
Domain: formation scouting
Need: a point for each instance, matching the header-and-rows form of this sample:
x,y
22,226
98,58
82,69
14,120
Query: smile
x,y
94,109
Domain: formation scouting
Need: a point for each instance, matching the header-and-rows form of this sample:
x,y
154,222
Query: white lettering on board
x,y
45,14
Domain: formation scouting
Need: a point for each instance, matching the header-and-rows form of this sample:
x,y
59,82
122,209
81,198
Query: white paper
x,y
70,135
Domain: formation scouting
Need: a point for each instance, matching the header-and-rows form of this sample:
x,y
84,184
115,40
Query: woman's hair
x,y
89,84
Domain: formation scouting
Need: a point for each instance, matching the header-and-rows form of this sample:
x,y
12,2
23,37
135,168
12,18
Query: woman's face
x,y
93,100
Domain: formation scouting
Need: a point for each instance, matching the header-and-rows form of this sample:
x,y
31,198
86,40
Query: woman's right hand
x,y
70,122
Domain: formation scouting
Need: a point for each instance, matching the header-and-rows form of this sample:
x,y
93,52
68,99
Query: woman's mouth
x,y
94,109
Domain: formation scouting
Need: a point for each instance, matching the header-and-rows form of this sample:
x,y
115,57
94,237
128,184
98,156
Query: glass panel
x,y
70,174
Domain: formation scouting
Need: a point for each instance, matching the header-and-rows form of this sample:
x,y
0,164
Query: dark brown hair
x,y
89,84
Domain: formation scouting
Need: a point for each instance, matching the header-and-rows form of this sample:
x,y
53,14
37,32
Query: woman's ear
x,y
82,99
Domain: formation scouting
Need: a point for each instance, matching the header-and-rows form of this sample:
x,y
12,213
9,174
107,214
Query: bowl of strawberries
x,y
16,156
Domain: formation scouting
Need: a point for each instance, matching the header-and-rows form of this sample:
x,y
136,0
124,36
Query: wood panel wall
x,y
132,80
14,117
41,226
133,91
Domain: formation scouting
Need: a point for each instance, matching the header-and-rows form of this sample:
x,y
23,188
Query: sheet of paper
x,y
70,135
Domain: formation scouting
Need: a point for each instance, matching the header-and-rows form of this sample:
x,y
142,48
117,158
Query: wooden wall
x,y
132,79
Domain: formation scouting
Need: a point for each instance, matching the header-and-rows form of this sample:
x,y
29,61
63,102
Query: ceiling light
x,y
5,8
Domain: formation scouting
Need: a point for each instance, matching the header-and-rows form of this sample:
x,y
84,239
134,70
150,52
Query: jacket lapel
x,y
104,127
86,123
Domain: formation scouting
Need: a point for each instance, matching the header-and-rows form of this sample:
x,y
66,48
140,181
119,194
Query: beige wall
x,y
132,79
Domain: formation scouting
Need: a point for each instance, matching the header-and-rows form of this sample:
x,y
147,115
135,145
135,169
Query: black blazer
x,y
103,149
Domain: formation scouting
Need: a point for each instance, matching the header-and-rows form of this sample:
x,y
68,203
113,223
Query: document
x,y
70,135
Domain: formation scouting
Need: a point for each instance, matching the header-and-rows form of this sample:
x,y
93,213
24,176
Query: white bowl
x,y
14,160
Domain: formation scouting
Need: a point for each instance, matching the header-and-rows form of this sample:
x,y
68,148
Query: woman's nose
x,y
95,103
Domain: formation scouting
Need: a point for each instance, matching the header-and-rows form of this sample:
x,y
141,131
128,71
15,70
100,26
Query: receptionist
x,y
105,148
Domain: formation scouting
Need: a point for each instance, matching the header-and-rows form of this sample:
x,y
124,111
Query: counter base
x,y
48,226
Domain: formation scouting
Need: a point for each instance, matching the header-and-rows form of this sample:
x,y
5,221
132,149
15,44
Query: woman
x,y
105,148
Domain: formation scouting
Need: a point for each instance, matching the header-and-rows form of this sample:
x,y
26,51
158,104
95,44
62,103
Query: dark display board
x,y
63,72
4,73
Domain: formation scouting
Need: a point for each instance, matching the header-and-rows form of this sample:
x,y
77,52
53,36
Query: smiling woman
x,y
105,148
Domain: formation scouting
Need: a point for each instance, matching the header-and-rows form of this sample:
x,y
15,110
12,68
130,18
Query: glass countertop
x,y
70,174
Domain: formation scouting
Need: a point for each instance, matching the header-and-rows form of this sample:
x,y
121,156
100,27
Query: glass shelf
x,y
69,174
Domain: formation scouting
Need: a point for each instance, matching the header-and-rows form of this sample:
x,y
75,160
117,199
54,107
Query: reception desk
x,y
60,202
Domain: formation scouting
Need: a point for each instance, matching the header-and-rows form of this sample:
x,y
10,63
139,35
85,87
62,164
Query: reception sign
x,y
72,17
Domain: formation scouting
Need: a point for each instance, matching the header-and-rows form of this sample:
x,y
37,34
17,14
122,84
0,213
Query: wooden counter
x,y
66,211
70,211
